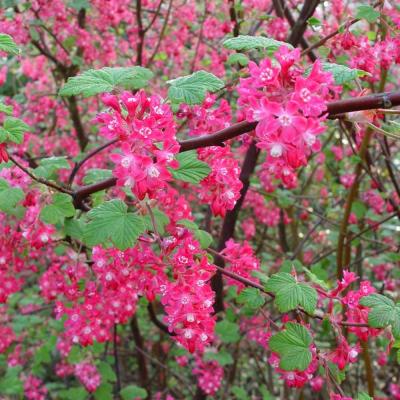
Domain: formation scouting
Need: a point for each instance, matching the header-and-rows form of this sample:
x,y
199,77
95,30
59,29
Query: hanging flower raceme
x,y
289,106
241,260
209,375
221,188
146,129
189,300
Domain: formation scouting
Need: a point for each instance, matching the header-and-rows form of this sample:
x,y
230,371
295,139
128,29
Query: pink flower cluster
x,y
120,278
289,108
296,378
188,301
146,129
88,375
209,375
221,188
7,337
34,388
241,260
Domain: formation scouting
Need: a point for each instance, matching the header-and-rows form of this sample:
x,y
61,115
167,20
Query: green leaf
x,y
48,166
112,221
107,79
290,294
192,89
222,357
79,4
191,169
227,331
204,238
188,224
43,355
367,12
238,58
13,130
95,175
161,220
313,21
9,197
10,384
106,372
6,109
76,393
132,392
60,208
285,200
314,278
244,43
342,74
383,312
251,297
74,228
359,209
239,393
8,45
75,355
266,395
104,392
364,396
291,265
293,347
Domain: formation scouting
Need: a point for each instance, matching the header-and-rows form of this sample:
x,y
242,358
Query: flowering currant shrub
x,y
199,199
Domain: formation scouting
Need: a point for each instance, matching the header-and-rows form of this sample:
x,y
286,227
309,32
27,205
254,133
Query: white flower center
x,y
285,120
153,171
188,334
266,75
353,353
309,138
229,194
126,162
190,318
145,132
276,150
305,95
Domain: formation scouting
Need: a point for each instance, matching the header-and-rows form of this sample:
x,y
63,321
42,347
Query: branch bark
x,y
335,110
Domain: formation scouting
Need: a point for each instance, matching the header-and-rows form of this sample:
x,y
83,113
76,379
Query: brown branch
x,y
164,27
95,151
68,71
369,372
286,12
335,109
233,17
157,322
230,219
137,337
249,283
156,14
322,41
386,151
196,51
76,121
141,33
40,179
300,25
116,360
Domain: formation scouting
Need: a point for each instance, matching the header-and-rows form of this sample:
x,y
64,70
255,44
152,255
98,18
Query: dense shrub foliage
x,y
199,199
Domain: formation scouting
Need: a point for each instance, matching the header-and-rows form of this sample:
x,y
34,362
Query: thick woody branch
x,y
335,110
300,25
